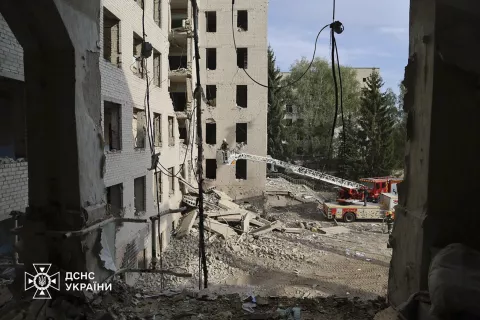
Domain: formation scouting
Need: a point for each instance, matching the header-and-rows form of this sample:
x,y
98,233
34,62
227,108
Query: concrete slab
x,y
334,230
230,217
276,225
292,230
246,222
187,224
221,228
257,223
222,195
227,205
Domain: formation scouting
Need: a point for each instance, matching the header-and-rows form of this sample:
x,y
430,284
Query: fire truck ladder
x,y
232,157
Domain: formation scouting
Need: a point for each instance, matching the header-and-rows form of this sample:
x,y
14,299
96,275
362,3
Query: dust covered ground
x,y
308,264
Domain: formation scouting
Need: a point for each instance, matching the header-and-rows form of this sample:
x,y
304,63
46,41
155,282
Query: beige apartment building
x,y
131,184
237,107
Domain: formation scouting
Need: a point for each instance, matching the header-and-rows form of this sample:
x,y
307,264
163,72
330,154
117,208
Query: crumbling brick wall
x,y
11,53
13,187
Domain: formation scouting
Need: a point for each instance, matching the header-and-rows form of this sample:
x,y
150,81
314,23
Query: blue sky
x,y
376,33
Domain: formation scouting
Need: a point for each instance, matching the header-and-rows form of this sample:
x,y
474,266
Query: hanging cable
x,y
292,82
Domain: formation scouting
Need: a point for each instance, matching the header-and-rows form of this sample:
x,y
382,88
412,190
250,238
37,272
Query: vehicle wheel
x,y
349,217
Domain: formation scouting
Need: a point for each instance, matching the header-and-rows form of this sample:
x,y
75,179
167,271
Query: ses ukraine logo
x,y
42,281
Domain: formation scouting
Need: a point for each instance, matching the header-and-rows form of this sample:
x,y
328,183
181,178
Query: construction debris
x,y
334,230
187,224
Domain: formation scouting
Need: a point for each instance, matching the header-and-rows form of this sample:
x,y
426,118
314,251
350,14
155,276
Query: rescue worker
x,y
365,196
389,218
224,145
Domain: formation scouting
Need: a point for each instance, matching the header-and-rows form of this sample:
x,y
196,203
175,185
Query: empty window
x,y
158,187
212,95
138,128
171,132
179,100
157,12
139,187
242,20
182,130
115,199
177,62
111,125
241,169
211,17
157,68
137,56
211,168
140,3
157,129
111,38
242,58
364,79
178,18
288,122
211,58
171,180
211,133
242,96
289,108
241,133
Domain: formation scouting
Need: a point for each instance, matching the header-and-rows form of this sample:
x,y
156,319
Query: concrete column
x,y
65,151
437,205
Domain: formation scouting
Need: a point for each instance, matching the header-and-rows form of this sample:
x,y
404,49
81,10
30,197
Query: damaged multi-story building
x,y
132,125
233,44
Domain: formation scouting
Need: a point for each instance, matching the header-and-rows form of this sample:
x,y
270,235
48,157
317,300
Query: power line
x,y
292,82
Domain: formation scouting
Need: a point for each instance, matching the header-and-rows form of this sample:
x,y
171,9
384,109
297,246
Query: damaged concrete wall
x,y
120,85
226,77
442,103
13,187
11,53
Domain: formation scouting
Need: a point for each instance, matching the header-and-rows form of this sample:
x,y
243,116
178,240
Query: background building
x,y
237,109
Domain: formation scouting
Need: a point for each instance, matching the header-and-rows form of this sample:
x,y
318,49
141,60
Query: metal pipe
x,y
68,234
165,212
154,243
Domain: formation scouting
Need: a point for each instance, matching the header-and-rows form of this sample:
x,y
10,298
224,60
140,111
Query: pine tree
x,y
376,122
275,115
349,152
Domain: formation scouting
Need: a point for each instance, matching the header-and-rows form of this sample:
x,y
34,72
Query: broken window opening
x,y
212,95
242,58
242,20
115,199
182,130
158,187
211,18
157,129
139,186
111,38
139,128
242,96
241,133
179,100
171,175
288,122
112,125
211,133
211,58
211,169
171,132
177,18
137,67
241,169
157,12
289,108
364,79
157,68
177,62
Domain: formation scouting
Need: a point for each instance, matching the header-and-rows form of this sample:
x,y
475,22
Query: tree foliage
x,y
376,121
400,132
275,114
314,97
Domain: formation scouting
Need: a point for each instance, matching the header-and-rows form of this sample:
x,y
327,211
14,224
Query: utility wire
x,y
289,83
198,97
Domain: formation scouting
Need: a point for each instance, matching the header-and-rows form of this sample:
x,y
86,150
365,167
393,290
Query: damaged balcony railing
x,y
153,219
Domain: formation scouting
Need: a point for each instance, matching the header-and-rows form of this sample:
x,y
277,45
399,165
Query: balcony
x,y
181,29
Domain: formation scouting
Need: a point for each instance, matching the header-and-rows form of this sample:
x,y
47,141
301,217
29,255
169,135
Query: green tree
x,y
314,97
349,166
400,132
275,113
376,122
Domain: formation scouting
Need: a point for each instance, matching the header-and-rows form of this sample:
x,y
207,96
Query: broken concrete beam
x,y
222,195
292,230
221,228
230,217
246,222
227,205
276,225
334,230
257,223
187,224
262,220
